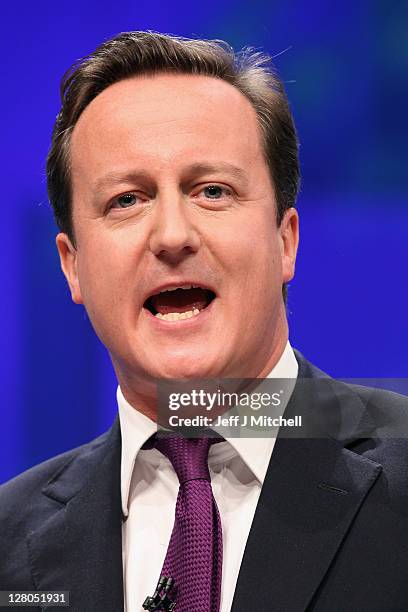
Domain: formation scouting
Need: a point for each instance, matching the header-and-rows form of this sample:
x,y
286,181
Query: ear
x,y
289,241
68,259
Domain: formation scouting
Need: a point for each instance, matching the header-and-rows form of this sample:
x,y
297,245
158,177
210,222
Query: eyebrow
x,y
199,169
193,171
110,179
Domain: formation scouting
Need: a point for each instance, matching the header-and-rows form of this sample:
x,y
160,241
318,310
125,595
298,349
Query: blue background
x,y
345,68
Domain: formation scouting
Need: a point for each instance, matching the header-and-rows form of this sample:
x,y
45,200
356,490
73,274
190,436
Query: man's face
x,y
171,189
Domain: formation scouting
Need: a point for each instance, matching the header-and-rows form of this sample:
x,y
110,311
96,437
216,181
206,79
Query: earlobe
x,y
289,230
68,259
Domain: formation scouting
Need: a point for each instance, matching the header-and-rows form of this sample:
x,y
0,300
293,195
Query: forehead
x,y
166,117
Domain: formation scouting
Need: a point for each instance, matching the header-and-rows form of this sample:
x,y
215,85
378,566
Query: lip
x,y
183,324
178,283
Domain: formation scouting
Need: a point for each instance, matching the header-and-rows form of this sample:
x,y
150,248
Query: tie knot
x,y
188,456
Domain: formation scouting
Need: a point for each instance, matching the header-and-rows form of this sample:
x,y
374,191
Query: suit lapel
x,y
311,494
79,547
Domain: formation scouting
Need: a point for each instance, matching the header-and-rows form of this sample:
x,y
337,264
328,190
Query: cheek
x,y
251,257
102,273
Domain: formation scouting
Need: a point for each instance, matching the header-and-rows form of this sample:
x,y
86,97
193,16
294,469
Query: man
x,y
173,174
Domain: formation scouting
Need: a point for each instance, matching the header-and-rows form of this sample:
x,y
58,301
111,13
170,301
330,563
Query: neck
x,y
146,401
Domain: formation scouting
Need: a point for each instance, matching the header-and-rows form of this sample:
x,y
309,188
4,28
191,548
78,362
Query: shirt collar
x,y
256,452
136,428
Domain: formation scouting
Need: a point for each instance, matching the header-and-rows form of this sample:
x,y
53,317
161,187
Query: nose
x,y
173,236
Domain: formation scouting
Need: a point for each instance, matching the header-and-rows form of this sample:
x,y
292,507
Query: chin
x,y
185,368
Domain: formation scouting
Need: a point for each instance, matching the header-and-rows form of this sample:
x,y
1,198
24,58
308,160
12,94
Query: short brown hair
x,y
135,53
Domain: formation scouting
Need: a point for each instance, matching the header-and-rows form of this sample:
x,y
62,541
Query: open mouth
x,y
179,303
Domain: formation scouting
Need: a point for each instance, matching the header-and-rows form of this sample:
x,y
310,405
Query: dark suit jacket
x,y
330,532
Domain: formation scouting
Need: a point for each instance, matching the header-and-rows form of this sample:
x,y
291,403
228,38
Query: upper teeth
x,y
179,287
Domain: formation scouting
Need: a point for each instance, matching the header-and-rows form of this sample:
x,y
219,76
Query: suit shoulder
x,y
384,437
368,394
386,406
30,482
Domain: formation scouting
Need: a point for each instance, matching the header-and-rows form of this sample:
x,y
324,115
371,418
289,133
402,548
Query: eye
x,y
215,192
125,200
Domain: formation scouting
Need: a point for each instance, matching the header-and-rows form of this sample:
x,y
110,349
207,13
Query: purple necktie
x,y
194,555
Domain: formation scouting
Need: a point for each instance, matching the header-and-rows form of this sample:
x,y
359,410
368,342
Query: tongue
x,y
180,300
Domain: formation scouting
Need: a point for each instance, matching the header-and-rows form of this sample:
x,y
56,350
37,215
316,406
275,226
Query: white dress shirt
x,y
149,488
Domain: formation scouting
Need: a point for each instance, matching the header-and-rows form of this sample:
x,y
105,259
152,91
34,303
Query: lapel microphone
x,y
161,597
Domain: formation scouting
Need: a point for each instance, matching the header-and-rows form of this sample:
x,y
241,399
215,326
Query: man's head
x,y
174,162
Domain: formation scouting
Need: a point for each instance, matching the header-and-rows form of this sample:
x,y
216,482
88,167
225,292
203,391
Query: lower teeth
x,y
178,316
